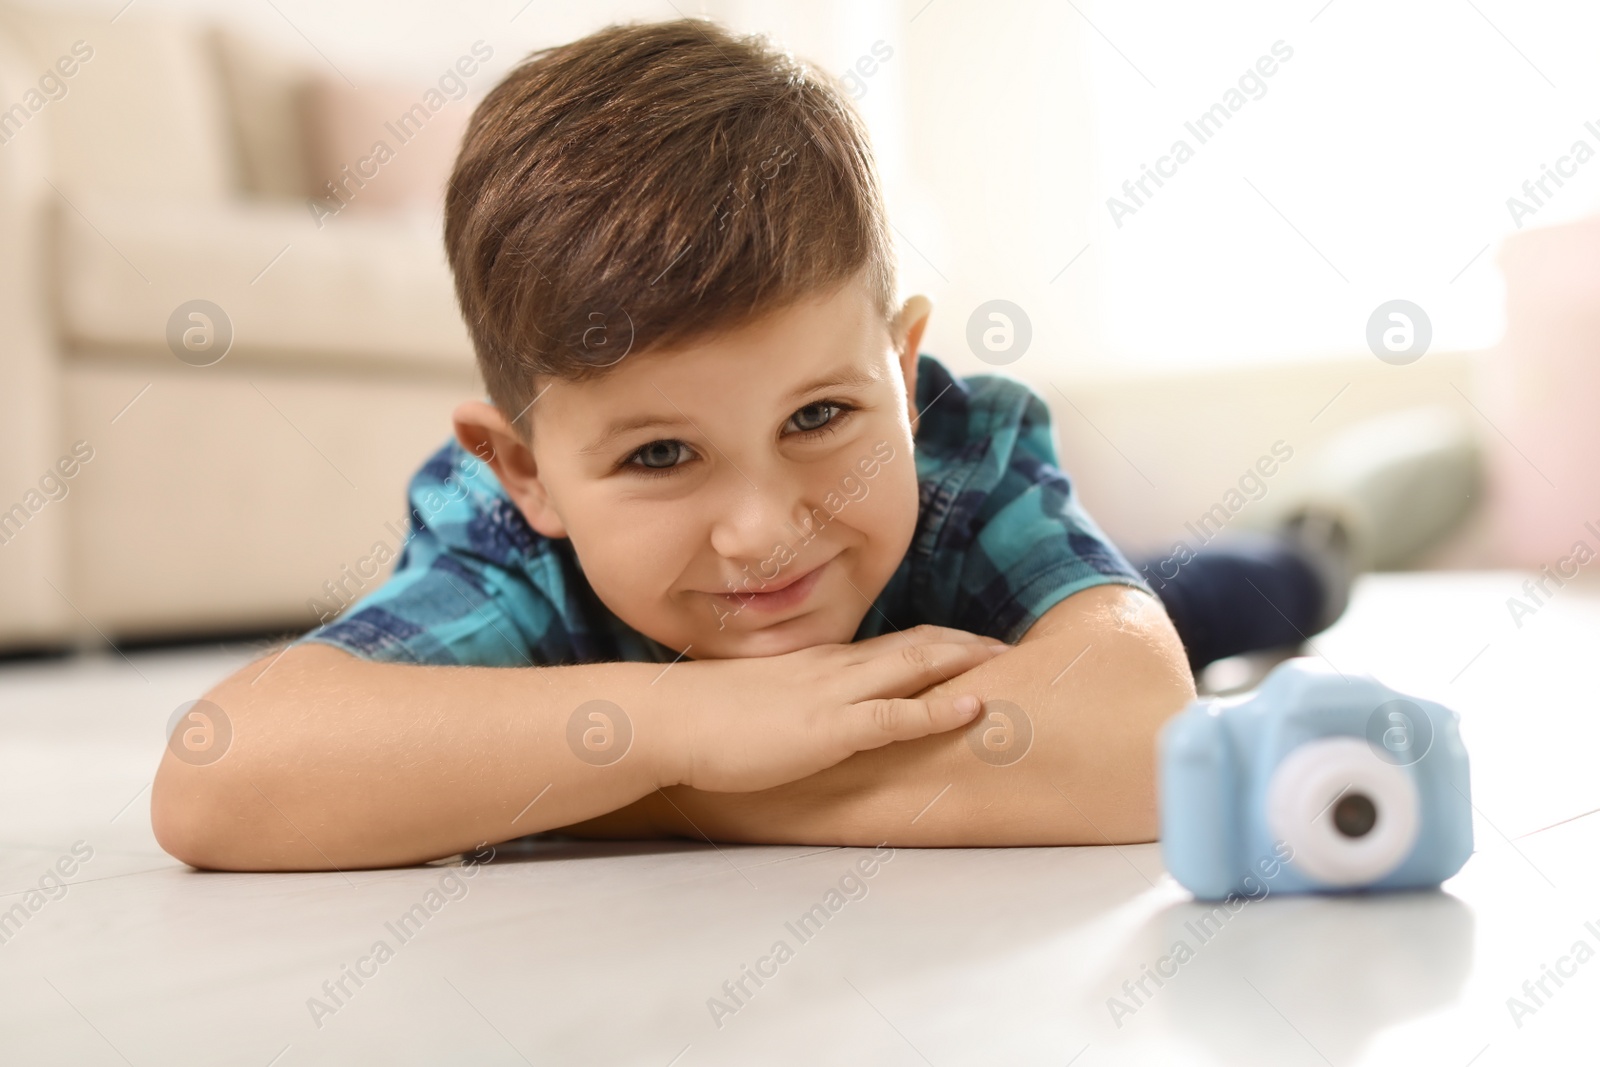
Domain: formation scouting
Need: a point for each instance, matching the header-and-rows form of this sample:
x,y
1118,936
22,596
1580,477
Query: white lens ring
x,y
1305,793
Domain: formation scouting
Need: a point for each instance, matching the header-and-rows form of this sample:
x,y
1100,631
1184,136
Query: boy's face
x,y
746,495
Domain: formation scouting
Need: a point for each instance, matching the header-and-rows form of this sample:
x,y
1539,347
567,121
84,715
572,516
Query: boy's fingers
x,y
875,723
917,635
924,634
905,669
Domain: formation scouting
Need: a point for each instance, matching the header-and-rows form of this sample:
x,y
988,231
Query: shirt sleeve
x,y
1007,538
461,592
445,611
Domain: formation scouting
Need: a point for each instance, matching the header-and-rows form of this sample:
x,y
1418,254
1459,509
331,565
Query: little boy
x,y
726,556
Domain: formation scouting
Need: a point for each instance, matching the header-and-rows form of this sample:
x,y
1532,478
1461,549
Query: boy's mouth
x,y
778,596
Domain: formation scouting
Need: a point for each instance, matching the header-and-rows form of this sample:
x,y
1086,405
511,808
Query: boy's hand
x,y
741,725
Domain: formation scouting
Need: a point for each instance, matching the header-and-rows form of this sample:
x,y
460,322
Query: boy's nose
x,y
756,519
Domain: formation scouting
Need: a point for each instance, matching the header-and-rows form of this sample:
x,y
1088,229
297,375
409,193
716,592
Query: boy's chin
x,y
791,635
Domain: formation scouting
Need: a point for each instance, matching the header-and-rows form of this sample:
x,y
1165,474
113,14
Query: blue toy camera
x,y
1314,782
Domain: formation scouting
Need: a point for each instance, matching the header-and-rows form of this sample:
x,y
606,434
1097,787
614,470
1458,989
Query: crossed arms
x,y
338,762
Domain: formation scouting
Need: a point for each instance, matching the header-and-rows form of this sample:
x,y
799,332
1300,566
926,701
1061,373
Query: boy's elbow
x,y
178,817
1150,683
1133,666
1133,677
194,816
207,810
211,807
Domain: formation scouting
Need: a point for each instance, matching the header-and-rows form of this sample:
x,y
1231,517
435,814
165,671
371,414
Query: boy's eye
x,y
666,456
815,416
659,455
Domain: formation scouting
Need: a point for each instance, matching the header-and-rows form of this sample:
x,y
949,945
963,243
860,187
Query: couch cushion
x,y
206,508
354,290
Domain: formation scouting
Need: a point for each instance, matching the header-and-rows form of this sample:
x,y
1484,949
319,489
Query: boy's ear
x,y
907,330
485,433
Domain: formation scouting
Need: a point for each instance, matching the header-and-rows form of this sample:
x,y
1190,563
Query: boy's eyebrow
x,y
622,426
848,375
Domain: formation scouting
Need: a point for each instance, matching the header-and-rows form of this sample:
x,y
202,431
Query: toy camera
x,y
1314,782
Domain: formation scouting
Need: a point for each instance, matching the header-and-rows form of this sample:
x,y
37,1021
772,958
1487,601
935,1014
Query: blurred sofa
x,y
152,489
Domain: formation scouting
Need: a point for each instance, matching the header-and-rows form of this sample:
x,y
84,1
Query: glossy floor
x,y
587,953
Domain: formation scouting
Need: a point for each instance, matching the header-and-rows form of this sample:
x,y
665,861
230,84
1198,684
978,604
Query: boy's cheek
x,y
887,515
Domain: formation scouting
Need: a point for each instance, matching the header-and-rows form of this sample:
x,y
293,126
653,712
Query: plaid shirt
x,y
1000,539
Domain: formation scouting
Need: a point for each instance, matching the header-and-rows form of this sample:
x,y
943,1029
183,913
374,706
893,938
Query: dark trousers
x,y
1249,594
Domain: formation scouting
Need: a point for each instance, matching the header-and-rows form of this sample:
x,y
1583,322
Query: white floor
x,y
589,953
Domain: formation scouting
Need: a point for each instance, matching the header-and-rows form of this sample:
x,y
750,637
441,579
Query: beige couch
x,y
144,164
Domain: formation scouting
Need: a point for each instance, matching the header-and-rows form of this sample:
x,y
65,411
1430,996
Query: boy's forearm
x,y
339,762
1095,678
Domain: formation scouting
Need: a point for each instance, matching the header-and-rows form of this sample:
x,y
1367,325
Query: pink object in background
x,y
1542,395
382,147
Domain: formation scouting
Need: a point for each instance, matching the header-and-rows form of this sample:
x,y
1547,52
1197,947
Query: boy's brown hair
x,y
649,185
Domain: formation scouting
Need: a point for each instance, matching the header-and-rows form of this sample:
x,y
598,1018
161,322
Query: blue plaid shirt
x,y
1000,539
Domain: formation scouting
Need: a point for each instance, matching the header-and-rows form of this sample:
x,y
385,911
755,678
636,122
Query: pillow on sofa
x,y
378,148
261,91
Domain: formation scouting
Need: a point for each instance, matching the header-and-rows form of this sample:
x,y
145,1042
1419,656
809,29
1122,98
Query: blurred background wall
x,y
217,370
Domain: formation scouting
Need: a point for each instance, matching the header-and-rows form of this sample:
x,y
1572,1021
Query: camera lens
x,y
1324,800
1355,815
